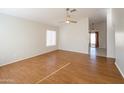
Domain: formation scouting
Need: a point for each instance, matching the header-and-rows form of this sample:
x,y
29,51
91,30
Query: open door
x,y
97,39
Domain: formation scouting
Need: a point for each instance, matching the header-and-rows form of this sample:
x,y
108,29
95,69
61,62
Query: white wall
x,y
110,35
74,37
20,39
118,19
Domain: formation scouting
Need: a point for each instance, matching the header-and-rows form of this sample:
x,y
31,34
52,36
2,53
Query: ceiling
x,y
52,16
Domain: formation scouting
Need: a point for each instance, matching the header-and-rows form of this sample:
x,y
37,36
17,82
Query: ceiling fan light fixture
x,y
68,18
67,21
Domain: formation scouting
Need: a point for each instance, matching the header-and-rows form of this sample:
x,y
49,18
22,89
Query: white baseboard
x,y
74,51
119,69
27,57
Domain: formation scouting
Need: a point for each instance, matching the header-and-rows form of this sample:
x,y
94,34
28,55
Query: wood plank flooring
x,y
62,67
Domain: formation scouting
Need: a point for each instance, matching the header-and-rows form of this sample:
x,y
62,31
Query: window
x,y
50,38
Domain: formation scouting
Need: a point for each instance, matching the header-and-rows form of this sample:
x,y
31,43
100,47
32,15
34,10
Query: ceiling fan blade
x,y
73,10
67,9
73,21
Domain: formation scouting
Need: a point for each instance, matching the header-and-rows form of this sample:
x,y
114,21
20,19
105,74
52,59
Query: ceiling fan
x,y
68,18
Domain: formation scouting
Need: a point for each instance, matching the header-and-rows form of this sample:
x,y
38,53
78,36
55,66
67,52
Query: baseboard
x,y
73,51
119,69
26,58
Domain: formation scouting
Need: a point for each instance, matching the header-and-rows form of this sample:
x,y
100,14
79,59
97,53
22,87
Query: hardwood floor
x,y
62,67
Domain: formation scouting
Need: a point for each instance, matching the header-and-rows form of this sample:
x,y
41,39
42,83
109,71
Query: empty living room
x,y
61,46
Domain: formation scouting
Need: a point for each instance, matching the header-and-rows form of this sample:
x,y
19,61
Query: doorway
x,y
94,39
94,48
97,38
94,43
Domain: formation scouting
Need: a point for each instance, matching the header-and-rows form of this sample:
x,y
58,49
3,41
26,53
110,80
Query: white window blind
x,y
50,38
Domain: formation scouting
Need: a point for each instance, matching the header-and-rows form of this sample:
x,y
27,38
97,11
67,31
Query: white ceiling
x,y
52,16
